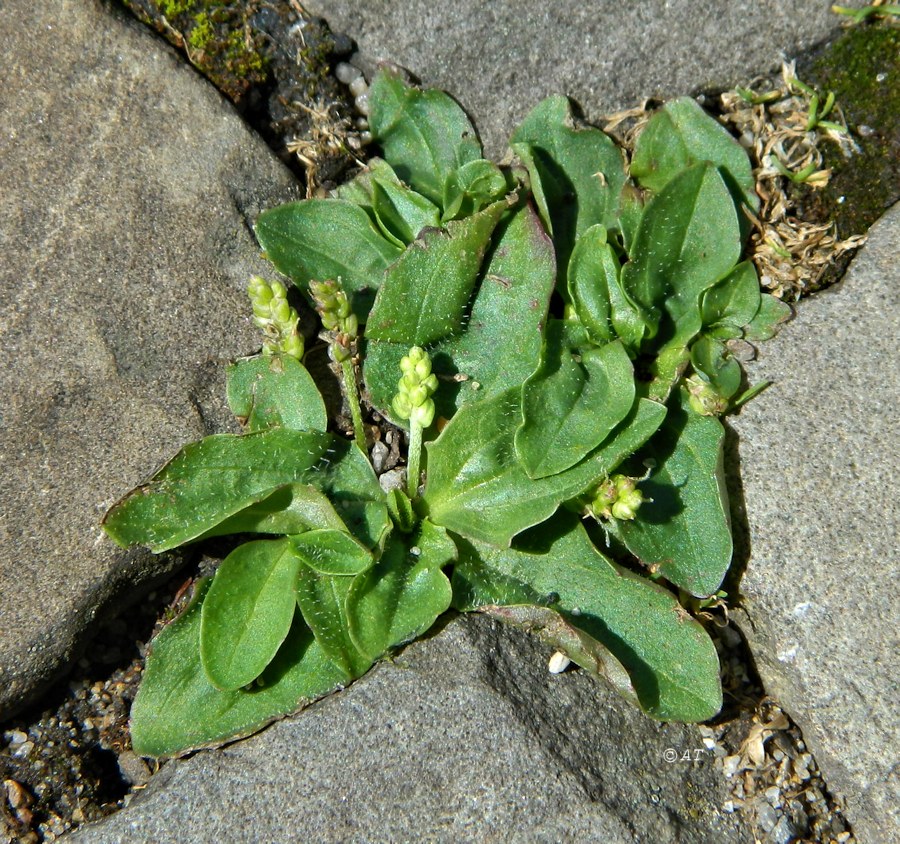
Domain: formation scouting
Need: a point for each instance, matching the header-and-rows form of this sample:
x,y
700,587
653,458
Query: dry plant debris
x,y
782,124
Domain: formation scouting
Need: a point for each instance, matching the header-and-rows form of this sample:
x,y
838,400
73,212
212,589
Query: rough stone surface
x,y
465,737
500,59
126,186
819,463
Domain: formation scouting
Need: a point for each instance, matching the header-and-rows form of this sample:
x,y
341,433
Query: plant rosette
x,y
555,336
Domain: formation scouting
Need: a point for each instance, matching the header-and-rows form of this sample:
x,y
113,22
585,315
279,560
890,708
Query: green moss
x,y
202,34
171,8
862,68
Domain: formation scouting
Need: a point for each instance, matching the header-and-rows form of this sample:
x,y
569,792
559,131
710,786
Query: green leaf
x,y
275,390
682,134
732,303
320,239
425,135
472,187
768,320
210,480
289,510
684,531
402,213
177,709
714,362
476,486
576,173
672,357
600,302
360,188
350,483
687,240
402,595
424,294
631,207
331,552
592,264
508,312
402,514
572,403
248,612
322,599
672,663
553,628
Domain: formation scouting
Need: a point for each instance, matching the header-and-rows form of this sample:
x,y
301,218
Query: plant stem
x,y
412,459
353,400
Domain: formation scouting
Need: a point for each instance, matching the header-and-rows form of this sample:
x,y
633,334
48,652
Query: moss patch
x,y
274,63
862,68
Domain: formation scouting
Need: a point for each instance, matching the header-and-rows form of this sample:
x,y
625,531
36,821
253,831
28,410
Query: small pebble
x,y
380,453
784,832
394,479
362,103
346,73
358,86
559,662
766,817
16,737
865,131
731,765
24,749
773,795
880,77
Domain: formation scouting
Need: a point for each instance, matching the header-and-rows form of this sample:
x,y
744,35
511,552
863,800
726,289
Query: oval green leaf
x,y
322,599
670,659
402,213
732,303
289,510
424,293
681,134
248,611
508,312
424,134
402,595
178,710
576,173
687,240
270,391
572,403
327,238
332,552
683,531
211,480
477,487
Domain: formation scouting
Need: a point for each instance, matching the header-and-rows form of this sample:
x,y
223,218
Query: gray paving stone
x,y
819,463
500,59
126,186
465,737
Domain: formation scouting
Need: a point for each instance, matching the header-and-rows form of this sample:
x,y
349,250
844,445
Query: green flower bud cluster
x,y
334,310
703,397
277,319
413,400
617,498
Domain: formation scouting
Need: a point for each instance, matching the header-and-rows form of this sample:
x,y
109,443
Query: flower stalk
x,y
277,319
342,328
413,402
